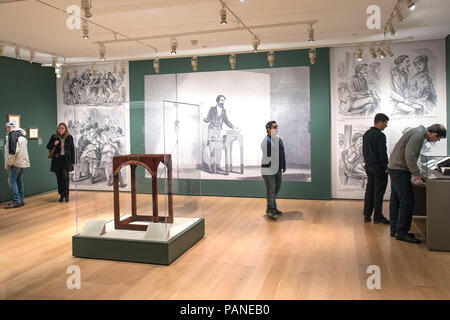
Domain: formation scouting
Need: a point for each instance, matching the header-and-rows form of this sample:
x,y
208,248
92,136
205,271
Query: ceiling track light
x,y
102,51
312,55
94,69
173,46
156,65
311,34
123,67
86,6
69,73
223,15
255,43
232,61
359,54
411,5
194,63
2,46
17,50
398,13
58,71
391,27
32,55
271,58
372,52
381,53
387,49
54,61
85,29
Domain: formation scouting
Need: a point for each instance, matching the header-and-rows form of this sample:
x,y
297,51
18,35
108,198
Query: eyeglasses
x,y
275,127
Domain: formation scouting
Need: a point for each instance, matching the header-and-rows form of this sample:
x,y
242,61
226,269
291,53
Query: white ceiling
x,y
32,24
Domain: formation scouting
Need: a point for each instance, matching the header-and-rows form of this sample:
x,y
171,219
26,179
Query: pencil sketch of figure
x,y
421,87
352,160
216,117
103,88
356,99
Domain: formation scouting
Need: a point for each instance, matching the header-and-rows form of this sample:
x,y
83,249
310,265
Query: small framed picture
x,y
14,118
33,133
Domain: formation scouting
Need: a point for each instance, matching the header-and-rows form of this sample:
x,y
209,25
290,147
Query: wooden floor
x,y
317,250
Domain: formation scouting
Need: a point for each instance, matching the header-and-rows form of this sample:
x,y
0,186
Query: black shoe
x,y
278,212
383,220
271,215
66,199
406,238
367,219
13,205
410,234
22,203
61,199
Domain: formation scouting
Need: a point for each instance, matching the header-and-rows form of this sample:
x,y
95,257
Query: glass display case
x,y
434,167
136,188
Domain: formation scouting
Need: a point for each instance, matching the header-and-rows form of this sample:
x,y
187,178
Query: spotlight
x,y
359,54
255,43
391,28
86,6
311,34
194,63
381,53
411,5
398,13
2,46
387,49
271,58
223,15
94,69
69,73
102,51
17,52
173,46
32,54
115,68
156,65
58,71
54,61
372,52
232,61
85,29
312,55
123,68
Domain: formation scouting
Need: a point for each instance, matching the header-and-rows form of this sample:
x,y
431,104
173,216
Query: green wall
x,y
447,63
319,188
29,90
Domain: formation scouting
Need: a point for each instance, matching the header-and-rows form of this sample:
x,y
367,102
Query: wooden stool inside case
x,y
151,163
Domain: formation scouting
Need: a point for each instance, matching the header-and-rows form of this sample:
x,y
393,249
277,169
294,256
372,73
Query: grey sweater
x,y
407,150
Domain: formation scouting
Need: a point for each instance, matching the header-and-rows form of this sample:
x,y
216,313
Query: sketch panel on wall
x,y
234,108
94,106
409,88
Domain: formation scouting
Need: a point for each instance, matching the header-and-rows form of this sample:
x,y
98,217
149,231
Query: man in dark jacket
x,y
376,161
272,165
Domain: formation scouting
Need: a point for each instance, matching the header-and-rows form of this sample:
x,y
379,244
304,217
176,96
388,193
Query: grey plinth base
x,y
144,251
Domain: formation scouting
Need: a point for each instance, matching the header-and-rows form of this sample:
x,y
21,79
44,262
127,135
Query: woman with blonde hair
x,y
63,160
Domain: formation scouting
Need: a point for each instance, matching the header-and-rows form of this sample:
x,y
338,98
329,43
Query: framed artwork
x,y
14,118
33,133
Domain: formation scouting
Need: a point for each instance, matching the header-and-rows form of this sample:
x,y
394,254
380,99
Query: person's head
x,y
10,126
272,128
362,70
61,131
421,64
436,132
381,121
403,62
220,100
357,138
119,131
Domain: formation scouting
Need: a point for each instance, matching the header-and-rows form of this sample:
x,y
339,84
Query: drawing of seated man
x,y
353,159
356,98
421,85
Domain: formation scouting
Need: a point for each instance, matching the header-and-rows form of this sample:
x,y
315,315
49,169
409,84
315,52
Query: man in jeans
x,y
16,159
376,161
272,166
403,165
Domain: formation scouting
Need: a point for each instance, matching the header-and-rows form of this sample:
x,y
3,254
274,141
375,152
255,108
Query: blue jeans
x,y
16,183
273,186
402,201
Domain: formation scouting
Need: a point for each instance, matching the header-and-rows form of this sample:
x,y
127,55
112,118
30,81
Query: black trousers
x,y
375,189
402,201
62,176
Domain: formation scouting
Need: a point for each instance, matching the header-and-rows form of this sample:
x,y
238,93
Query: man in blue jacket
x,y
376,161
272,165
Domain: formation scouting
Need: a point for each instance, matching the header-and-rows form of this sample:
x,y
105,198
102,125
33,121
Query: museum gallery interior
x,y
209,149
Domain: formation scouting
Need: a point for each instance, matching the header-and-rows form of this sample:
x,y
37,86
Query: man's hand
x,y
417,180
56,142
284,170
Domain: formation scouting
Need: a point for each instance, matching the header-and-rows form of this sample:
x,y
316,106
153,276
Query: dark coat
x,y
69,150
374,151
